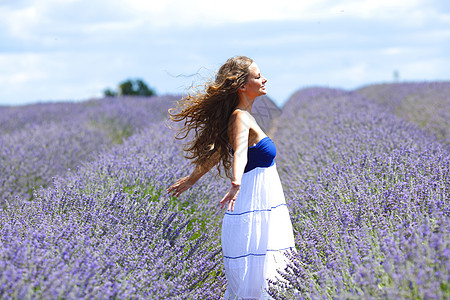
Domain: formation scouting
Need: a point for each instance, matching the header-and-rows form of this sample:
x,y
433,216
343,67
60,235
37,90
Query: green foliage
x,y
135,88
131,87
109,93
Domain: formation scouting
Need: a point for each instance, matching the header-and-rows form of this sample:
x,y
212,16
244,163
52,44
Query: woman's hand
x,y
231,196
180,186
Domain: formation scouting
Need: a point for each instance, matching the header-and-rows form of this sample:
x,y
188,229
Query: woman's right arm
x,y
185,183
238,131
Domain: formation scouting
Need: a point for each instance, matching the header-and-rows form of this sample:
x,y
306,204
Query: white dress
x,y
258,232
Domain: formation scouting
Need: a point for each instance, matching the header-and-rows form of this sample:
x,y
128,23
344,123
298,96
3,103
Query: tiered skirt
x,y
256,235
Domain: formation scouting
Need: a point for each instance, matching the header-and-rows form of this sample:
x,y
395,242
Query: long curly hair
x,y
206,114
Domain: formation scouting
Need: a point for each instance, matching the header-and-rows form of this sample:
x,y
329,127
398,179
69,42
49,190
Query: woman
x,y
256,228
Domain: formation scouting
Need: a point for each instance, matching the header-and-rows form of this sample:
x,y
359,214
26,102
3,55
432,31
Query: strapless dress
x,y
259,230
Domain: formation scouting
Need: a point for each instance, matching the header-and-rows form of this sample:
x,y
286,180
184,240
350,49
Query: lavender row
x,y
29,158
118,202
60,136
427,104
108,230
88,237
134,110
369,200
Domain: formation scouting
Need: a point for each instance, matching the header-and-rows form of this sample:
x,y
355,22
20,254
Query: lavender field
x,y
426,104
84,213
40,141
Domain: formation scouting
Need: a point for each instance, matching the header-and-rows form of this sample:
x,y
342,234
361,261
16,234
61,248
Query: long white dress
x,y
258,232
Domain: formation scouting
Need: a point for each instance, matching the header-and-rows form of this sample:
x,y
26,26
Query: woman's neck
x,y
245,103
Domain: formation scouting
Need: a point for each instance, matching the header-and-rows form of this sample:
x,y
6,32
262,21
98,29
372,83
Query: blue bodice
x,y
261,155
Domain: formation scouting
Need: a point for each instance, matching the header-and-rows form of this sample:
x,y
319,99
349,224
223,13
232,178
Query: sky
x,y
72,50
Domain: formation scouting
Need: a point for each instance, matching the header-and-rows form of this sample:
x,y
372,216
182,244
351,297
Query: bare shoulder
x,y
239,122
240,116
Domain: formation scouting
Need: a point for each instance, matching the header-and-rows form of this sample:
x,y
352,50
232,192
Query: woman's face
x,y
255,85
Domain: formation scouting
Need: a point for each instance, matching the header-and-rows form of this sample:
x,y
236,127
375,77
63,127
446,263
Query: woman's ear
x,y
242,88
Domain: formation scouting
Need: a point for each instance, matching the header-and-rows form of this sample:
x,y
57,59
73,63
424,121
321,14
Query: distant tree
x,y
109,93
135,87
130,87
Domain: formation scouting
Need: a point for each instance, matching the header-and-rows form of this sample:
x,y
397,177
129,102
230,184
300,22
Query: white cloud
x,y
21,69
204,12
46,16
74,49
426,69
37,20
396,51
20,21
378,9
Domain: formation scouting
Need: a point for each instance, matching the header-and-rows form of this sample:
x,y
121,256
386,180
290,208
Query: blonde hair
x,y
207,113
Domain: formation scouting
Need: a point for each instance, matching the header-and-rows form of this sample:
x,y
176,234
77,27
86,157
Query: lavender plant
x,y
369,200
134,111
108,230
427,104
368,193
14,118
60,136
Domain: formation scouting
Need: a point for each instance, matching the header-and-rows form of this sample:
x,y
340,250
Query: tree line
x,y
131,87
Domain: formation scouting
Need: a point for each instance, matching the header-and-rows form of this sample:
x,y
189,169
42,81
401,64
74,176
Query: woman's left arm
x,y
185,183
